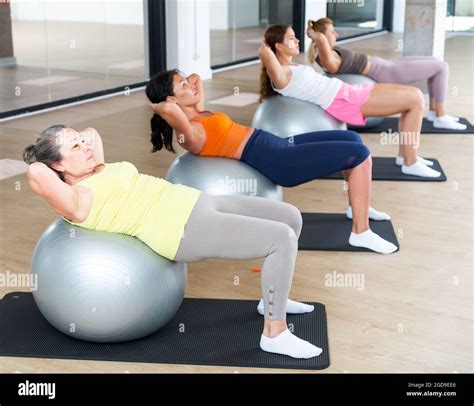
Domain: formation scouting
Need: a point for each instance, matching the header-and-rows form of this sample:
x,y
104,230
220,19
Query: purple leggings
x,y
410,69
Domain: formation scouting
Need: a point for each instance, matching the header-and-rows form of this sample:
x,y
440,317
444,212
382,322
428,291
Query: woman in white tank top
x,y
349,103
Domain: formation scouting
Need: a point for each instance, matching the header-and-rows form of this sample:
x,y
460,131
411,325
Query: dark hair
x,y
273,35
46,148
157,90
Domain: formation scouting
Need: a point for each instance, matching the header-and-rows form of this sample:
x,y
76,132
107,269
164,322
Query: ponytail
x,y
312,52
157,90
273,35
161,134
266,89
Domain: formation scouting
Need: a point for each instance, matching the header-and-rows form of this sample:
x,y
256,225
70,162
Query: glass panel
x,y
70,48
355,18
25,61
460,16
237,26
124,43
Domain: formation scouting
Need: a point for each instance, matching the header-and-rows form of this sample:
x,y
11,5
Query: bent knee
x,y
295,220
443,65
361,157
354,136
417,101
285,237
364,153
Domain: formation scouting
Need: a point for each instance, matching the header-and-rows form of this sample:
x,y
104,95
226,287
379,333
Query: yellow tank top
x,y
149,208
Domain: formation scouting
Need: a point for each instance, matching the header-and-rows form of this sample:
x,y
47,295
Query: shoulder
x,y
343,51
309,70
124,164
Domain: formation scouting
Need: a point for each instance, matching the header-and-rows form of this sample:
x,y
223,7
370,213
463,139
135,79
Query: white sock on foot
x,y
291,307
446,123
399,161
432,115
368,239
373,214
288,344
418,169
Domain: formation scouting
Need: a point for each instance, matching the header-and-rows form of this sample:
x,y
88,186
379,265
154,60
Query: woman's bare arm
x,y
63,198
278,75
190,137
195,79
329,60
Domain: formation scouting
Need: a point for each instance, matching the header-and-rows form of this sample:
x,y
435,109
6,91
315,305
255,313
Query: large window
x,y
237,26
358,17
460,16
52,51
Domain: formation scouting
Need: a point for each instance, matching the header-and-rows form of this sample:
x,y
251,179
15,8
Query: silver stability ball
x,y
104,287
285,116
222,176
354,79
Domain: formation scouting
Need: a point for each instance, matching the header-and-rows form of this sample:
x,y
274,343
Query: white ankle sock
x,y
368,239
418,169
373,214
288,344
446,123
399,161
291,307
432,115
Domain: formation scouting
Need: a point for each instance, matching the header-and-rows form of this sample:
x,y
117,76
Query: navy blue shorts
x,y
301,158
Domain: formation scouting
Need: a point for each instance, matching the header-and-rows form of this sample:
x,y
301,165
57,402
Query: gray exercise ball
x,y
222,176
354,79
104,287
285,116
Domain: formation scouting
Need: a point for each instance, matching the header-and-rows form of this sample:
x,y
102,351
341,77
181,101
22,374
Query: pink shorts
x,y
346,106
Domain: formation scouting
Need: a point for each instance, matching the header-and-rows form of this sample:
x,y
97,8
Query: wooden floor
x,y
416,311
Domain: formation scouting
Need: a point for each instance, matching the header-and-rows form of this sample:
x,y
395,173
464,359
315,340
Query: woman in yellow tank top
x,y
67,168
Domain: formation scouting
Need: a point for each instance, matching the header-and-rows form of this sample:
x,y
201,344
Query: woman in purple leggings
x,y
404,70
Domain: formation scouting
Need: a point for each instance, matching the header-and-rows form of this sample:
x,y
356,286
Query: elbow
x,y
71,210
332,69
192,147
91,134
195,78
194,150
195,147
93,131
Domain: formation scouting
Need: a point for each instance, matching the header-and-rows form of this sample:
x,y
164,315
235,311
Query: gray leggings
x,y
411,69
244,227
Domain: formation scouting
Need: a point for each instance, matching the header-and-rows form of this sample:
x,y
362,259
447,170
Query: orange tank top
x,y
223,136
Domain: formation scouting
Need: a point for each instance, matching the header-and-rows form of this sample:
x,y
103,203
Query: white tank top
x,y
307,84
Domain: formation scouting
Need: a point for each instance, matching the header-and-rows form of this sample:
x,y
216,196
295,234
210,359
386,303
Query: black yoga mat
x,y
216,332
331,231
385,169
391,124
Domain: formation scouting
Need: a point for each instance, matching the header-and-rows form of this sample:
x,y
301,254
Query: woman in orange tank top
x,y
178,104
